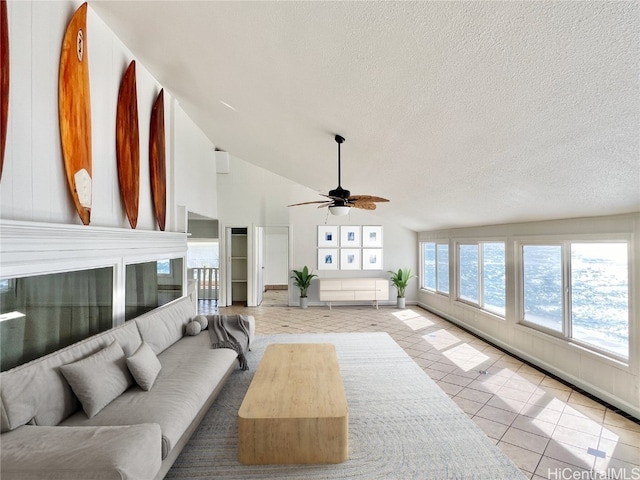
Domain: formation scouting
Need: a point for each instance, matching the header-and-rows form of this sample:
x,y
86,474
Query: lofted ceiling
x,y
461,113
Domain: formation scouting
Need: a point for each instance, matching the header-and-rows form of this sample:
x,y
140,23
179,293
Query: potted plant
x,y
400,280
302,280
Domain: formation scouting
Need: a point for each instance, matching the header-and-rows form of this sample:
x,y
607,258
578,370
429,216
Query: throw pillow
x,y
193,328
144,366
99,378
202,320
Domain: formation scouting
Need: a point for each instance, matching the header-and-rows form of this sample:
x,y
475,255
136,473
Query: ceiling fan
x,y
341,200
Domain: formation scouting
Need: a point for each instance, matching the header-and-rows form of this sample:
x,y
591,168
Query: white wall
x,y
34,186
276,258
399,245
251,196
195,167
609,380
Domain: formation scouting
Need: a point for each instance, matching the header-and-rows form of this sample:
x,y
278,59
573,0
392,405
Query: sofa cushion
x,y
164,326
99,378
191,372
144,366
36,392
81,453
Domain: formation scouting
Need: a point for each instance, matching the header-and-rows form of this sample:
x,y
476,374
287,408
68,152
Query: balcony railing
x,y
208,282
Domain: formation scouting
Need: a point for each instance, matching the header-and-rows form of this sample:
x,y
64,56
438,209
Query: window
x,y
163,267
482,275
442,258
542,285
579,290
435,273
203,254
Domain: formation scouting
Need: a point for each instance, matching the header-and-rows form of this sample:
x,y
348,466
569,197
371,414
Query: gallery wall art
x,y
350,247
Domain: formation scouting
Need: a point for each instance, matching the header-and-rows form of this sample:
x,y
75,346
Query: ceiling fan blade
x,y
366,198
309,203
363,205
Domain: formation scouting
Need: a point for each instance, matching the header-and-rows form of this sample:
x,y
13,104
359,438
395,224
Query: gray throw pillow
x,y
144,366
99,378
193,328
202,320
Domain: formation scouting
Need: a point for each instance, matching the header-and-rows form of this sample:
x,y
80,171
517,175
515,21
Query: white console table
x,y
353,289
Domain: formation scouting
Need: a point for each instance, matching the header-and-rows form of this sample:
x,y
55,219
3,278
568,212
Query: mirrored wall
x,y
44,313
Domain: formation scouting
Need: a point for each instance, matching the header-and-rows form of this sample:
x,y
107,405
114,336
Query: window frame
x,y
566,335
435,290
469,302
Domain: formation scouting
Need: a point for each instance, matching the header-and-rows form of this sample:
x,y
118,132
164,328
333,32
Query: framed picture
x,y
371,236
327,235
350,259
350,236
328,259
372,259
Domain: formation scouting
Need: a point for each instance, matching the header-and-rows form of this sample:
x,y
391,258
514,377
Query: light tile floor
x,y
548,429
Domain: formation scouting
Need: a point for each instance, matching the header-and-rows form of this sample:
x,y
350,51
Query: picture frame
x,y
327,235
328,259
372,259
350,259
350,236
372,236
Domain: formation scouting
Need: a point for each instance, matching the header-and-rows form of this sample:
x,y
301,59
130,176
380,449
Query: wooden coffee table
x,y
295,410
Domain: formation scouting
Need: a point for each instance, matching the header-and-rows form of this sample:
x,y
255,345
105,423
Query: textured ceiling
x,y
461,113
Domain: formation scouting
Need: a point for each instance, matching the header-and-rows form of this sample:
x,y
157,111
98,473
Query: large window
x,y
579,290
482,275
435,271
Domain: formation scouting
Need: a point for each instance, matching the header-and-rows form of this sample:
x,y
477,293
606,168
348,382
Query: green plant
x,y
302,279
400,279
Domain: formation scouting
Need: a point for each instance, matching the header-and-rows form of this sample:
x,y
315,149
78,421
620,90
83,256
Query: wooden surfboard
x,y
157,163
4,79
128,144
74,109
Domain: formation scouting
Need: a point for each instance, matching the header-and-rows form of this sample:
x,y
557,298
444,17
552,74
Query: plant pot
x,y
304,302
401,302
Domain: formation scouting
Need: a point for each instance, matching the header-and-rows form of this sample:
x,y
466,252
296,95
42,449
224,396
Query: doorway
x,y
275,266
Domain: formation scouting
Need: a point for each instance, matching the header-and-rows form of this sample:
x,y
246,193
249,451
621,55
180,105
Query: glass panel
x,y
45,313
164,267
600,295
469,272
429,265
542,270
493,277
203,255
146,289
443,267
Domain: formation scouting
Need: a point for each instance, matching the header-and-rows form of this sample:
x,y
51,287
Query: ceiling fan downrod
x,y
339,191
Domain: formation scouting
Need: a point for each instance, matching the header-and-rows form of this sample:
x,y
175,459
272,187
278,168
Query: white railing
x,y
208,282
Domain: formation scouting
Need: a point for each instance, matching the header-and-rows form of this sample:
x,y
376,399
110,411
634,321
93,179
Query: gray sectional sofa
x,y
51,430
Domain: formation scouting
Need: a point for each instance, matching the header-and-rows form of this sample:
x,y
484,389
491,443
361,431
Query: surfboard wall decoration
x,y
74,109
128,144
4,79
157,162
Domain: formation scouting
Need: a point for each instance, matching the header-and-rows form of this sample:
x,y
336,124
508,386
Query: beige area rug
x,y
401,424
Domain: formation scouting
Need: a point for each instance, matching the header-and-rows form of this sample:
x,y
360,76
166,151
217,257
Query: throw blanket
x,y
231,331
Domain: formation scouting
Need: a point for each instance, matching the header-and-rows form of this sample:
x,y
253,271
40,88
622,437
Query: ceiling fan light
x,y
339,210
